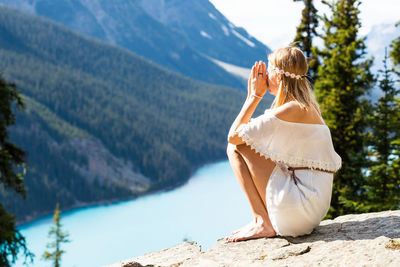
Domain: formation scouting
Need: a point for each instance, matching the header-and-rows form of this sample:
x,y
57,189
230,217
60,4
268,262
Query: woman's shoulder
x,y
293,112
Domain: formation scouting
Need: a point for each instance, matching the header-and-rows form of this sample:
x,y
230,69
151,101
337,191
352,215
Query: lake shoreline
x,y
205,209
32,218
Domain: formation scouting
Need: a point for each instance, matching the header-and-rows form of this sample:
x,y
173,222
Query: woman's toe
x,y
230,238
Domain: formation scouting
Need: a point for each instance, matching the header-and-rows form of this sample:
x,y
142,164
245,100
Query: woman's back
x,y
292,112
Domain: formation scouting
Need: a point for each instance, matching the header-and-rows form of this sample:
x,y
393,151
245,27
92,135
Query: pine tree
x,y
306,32
396,143
344,79
395,55
383,182
12,159
58,236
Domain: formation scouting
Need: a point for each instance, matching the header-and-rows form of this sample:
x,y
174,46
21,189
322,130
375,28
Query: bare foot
x,y
244,227
255,231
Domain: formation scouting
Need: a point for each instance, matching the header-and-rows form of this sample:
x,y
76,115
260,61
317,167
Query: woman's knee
x,y
231,149
237,149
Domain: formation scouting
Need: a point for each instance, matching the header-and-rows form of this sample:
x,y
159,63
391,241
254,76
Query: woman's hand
x,y
258,80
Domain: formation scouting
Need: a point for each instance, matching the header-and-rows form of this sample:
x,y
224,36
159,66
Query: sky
x,y
273,22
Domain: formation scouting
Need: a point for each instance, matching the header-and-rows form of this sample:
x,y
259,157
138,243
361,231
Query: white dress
x,y
294,209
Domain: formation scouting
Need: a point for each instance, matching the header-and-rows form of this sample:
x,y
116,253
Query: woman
x,y
284,159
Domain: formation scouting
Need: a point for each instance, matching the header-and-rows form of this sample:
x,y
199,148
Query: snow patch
x,y
244,39
231,25
225,29
212,16
241,72
204,34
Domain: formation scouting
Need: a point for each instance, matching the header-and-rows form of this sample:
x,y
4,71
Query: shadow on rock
x,y
370,228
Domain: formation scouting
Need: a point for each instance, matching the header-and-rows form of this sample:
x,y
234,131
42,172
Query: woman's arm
x,y
244,116
257,85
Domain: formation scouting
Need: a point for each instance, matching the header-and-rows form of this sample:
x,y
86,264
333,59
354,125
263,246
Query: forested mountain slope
x,y
194,31
101,122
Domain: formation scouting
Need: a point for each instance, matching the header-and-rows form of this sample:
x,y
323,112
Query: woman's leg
x,y
253,172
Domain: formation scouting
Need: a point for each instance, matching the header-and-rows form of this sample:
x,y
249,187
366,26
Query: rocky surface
x,y
370,239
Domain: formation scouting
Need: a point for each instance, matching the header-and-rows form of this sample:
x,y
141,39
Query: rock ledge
x,y
369,239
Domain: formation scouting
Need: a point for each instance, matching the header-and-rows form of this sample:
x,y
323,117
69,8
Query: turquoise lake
x,y
208,207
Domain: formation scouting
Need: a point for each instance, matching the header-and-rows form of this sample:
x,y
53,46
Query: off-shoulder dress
x,y
294,208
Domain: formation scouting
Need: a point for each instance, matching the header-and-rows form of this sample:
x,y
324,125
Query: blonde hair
x,y
292,59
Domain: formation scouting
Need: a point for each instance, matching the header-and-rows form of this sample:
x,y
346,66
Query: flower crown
x,y
288,74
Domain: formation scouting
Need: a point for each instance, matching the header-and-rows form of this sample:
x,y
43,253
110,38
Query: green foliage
x,y
395,52
394,244
186,239
382,185
59,237
306,32
344,80
10,155
11,158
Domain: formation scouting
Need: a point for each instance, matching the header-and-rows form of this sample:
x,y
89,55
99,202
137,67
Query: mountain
x,y
379,37
101,122
207,30
186,36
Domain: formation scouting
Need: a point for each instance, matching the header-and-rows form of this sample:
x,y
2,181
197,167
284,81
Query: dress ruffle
x,y
287,159
280,141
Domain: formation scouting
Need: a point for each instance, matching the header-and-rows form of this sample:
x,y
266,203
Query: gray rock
x,y
370,239
173,256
